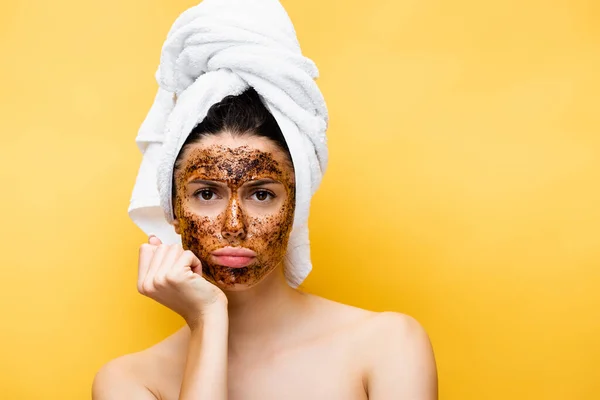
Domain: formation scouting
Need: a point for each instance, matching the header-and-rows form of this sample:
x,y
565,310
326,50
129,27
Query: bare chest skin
x,y
317,371
329,367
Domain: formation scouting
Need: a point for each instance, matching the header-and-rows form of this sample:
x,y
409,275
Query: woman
x,y
248,333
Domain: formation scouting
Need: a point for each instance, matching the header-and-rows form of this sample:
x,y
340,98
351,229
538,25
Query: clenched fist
x,y
173,277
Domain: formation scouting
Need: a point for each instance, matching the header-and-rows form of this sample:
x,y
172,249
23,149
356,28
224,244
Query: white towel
x,y
220,48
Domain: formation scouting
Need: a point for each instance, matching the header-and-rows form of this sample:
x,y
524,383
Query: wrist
x,y
218,309
213,314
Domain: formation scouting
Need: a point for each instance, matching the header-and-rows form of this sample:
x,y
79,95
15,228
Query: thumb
x,y
154,240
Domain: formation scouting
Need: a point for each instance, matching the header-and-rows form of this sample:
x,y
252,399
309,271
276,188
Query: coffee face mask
x,y
234,208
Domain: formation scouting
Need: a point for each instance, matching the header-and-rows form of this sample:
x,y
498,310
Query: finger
x,y
168,261
196,265
145,256
188,260
154,240
156,262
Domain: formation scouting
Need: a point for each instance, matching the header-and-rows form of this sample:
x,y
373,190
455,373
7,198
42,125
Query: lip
x,y
233,257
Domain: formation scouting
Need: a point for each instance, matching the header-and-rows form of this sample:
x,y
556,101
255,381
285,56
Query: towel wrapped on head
x,y
220,48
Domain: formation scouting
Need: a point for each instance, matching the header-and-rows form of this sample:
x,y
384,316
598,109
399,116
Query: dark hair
x,y
240,115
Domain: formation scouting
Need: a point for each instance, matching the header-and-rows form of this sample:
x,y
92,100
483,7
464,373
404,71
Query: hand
x,y
173,277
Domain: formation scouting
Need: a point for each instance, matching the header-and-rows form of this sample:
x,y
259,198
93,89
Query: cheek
x,y
193,226
198,232
273,230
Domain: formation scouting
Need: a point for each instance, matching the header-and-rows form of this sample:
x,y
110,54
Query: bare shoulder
x,y
338,321
393,350
402,328
377,328
401,361
121,378
141,375
329,309
374,326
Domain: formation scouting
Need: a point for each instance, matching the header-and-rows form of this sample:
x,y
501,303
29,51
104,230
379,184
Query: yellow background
x,y
463,186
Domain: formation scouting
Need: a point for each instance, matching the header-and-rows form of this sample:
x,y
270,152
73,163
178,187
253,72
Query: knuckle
x,y
146,288
144,248
171,278
160,282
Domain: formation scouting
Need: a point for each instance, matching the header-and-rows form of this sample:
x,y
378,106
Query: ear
x,y
177,226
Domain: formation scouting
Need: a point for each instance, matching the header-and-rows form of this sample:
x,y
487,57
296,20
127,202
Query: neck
x,y
263,313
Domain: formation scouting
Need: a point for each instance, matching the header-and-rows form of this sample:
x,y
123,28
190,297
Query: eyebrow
x,y
207,183
252,184
261,182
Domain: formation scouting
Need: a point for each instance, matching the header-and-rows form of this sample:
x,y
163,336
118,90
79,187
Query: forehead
x,y
225,146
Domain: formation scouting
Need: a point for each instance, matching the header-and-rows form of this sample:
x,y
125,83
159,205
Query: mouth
x,y
233,257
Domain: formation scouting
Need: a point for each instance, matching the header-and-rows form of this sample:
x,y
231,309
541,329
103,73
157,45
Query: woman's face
x,y
234,207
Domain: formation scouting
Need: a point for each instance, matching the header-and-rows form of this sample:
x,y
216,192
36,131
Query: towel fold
x,y
220,48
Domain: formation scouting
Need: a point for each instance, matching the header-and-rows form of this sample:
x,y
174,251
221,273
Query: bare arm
x,y
403,365
173,277
205,374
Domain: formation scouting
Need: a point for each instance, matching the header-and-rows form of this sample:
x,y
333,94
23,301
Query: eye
x,y
262,195
205,194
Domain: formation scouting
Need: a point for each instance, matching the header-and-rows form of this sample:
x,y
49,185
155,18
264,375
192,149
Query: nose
x,y
234,227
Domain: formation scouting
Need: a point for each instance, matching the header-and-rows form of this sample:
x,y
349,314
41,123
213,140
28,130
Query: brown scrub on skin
x,y
237,223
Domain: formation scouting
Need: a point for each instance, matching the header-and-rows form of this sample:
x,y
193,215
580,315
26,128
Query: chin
x,y
237,280
236,287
